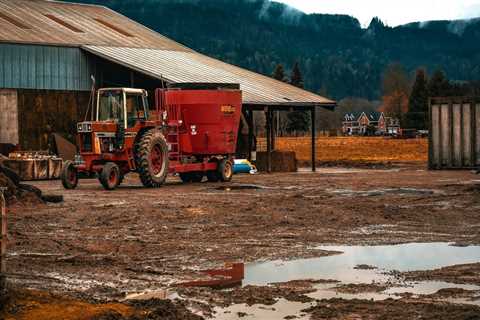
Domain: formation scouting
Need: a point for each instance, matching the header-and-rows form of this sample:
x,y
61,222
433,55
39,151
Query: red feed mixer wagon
x,y
191,131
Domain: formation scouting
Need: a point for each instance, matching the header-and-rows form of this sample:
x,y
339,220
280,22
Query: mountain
x,y
337,56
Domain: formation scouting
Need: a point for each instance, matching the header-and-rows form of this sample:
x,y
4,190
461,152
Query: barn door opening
x,y
8,117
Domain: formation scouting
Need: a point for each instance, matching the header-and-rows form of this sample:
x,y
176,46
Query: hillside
x,y
337,56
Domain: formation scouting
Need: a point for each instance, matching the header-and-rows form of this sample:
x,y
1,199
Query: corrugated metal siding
x,y
180,67
44,67
454,133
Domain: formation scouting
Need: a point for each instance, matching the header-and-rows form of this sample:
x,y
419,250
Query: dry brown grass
x,y
357,149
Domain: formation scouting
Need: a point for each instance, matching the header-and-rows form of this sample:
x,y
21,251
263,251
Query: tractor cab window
x,y
110,106
135,108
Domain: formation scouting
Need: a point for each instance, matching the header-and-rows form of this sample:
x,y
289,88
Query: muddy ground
x,y
99,246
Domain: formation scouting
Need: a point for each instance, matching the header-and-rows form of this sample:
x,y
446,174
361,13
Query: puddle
x,y
240,187
355,265
280,310
381,192
341,267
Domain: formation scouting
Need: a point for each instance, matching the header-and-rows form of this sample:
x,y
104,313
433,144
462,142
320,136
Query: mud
x,y
35,305
390,309
462,274
360,288
101,246
19,193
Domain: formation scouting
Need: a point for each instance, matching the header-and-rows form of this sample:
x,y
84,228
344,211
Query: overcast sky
x,y
392,12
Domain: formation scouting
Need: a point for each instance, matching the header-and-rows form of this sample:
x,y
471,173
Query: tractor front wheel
x,y
69,175
110,176
152,159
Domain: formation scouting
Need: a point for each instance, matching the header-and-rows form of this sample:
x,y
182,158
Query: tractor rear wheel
x,y
69,175
110,176
152,159
225,170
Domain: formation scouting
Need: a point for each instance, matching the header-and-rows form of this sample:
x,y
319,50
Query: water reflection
x,y
341,267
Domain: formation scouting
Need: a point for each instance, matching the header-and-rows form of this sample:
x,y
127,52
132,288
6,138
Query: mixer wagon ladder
x,y
174,141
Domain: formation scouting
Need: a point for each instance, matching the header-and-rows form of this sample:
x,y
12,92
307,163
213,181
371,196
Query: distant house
x,y
393,125
359,123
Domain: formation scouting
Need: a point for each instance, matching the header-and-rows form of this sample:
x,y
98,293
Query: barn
x,y
50,51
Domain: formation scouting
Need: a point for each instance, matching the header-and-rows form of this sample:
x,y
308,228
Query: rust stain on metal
x,y
111,26
63,23
13,21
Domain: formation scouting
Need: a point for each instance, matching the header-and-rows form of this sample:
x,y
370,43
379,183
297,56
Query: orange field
x,y
357,149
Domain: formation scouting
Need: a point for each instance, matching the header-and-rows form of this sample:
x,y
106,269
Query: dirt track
x,y
103,245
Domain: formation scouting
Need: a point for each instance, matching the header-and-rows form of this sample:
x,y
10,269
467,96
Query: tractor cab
x,y
123,106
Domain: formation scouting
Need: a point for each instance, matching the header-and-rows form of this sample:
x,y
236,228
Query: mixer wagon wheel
x,y
152,159
225,170
110,176
69,175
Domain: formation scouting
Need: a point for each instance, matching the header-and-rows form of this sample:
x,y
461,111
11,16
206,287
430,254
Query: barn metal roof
x,y
71,24
114,37
178,67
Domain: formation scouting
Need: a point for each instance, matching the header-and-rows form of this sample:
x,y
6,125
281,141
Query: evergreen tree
x,y
416,117
439,86
296,78
279,73
298,121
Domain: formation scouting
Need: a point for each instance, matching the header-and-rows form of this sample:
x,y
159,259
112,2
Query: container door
x,y
8,117
477,135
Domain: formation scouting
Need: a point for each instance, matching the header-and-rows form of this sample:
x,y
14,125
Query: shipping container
x,y
454,139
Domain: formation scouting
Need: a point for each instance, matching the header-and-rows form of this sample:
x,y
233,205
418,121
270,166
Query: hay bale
x,y
282,161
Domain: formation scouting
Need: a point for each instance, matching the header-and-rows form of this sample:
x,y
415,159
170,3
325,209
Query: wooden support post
x,y
274,130
132,79
3,245
314,140
269,139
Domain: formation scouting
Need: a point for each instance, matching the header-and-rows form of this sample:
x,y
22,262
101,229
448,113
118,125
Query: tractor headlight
x,y
84,127
78,159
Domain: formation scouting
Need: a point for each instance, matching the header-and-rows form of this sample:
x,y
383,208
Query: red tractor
x,y
189,132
